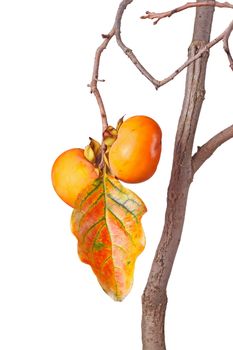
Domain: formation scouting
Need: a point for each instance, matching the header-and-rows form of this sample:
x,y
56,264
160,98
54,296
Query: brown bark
x,y
154,299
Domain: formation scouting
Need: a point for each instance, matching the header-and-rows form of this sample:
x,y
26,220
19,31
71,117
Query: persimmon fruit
x,y
71,173
135,154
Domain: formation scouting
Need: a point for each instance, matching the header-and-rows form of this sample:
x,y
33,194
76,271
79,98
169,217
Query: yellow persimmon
x,y
71,173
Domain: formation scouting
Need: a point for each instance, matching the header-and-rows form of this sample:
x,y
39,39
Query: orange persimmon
x,y
71,173
135,154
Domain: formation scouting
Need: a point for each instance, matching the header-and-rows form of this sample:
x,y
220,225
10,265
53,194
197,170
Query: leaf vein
x,y
128,196
104,262
121,248
123,206
90,207
121,223
89,193
114,186
91,227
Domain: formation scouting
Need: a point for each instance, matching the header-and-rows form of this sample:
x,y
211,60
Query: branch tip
x,y
100,80
204,152
226,48
161,15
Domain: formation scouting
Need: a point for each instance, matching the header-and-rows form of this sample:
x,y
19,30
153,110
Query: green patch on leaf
x,y
98,245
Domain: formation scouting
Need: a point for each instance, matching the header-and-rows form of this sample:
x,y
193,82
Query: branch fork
x,y
116,31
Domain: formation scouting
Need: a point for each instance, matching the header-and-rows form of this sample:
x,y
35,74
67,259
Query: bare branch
x,y
194,58
204,152
154,296
226,43
116,30
161,15
126,49
158,83
95,77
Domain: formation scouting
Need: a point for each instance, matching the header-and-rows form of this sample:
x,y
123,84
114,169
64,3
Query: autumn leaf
x,y
107,223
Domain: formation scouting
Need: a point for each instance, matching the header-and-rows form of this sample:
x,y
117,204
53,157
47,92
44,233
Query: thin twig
x,y
226,44
204,152
192,59
94,89
126,49
159,83
95,77
116,31
161,15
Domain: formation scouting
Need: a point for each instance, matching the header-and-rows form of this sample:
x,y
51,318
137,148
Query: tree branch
x,y
158,83
126,49
204,152
116,31
95,77
154,296
161,15
205,48
226,43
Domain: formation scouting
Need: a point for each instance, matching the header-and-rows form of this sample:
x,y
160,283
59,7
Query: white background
x,y
48,298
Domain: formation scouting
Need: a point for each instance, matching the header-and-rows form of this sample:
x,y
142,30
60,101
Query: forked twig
x,y
116,31
161,15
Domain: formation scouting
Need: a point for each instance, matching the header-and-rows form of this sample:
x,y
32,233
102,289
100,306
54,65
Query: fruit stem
x,y
102,164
